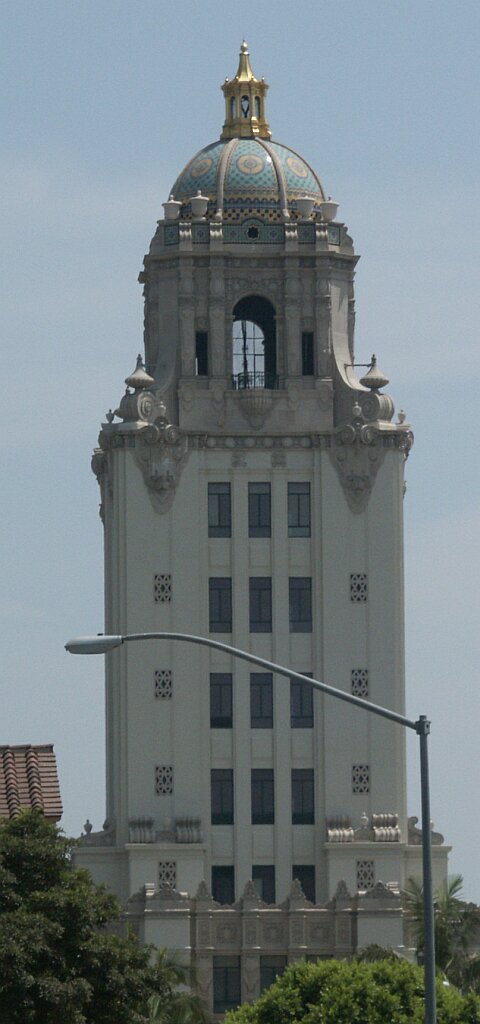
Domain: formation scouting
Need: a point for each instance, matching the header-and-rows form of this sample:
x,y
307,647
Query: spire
x,y
245,102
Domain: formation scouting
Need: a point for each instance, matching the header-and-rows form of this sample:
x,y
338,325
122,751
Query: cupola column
x,y
292,317
186,309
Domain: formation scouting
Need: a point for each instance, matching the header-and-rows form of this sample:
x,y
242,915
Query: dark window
x,y
223,883
201,353
306,876
220,595
307,354
220,700
270,968
301,704
261,700
263,878
219,510
222,796
299,510
262,796
303,812
260,604
259,510
300,602
226,983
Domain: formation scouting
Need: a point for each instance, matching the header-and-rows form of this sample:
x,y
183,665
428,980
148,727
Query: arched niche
x,y
254,344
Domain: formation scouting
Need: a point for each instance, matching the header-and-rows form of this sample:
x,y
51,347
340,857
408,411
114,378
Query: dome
x,y
251,176
245,173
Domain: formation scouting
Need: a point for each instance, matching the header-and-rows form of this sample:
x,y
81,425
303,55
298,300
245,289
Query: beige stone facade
x,y
252,491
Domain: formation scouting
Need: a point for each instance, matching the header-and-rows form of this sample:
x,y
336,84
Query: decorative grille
x,y
359,682
162,588
365,874
163,779
163,683
358,587
167,873
360,778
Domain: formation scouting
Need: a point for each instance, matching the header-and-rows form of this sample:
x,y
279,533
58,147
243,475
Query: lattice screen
x,y
358,587
162,588
163,683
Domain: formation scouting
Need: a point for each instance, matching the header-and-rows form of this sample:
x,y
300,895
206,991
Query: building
x,y
29,780
252,490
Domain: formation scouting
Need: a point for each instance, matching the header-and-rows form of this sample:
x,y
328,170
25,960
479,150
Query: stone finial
x,y
202,892
139,379
341,892
374,378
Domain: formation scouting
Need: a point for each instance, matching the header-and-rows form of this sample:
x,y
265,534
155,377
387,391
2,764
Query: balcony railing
x,y
255,379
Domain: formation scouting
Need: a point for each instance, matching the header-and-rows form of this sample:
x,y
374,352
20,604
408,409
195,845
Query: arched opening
x,y
254,344
245,106
233,107
257,107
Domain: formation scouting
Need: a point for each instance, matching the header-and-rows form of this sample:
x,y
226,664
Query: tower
x,y
252,490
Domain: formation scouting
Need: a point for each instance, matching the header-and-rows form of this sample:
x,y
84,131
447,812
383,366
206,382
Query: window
x,y
162,588
365,874
220,610
220,700
300,603
263,878
307,354
226,983
254,344
259,510
261,700
222,796
262,796
301,705
270,968
163,779
219,510
167,873
306,876
201,353
299,510
260,604
359,681
360,778
358,587
303,811
223,883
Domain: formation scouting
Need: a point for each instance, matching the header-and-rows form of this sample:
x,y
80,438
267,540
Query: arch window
x,y
233,106
254,344
245,106
257,107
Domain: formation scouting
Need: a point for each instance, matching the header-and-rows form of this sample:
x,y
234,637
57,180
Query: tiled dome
x,y
245,176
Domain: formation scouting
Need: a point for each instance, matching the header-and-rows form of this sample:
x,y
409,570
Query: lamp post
x,y
101,644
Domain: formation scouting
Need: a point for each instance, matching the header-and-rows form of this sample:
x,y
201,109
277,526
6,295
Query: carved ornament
x,y
359,448
161,452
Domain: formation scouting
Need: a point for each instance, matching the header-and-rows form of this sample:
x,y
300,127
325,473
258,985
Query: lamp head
x,y
93,644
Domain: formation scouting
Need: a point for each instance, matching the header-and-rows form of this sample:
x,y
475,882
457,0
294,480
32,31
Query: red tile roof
x,y
28,778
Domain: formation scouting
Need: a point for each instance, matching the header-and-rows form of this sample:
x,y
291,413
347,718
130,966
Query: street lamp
x,y
101,644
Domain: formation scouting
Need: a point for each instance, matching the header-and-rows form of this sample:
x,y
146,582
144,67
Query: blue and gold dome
x,y
245,173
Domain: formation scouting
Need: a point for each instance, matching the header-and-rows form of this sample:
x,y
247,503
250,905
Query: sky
x,y
102,104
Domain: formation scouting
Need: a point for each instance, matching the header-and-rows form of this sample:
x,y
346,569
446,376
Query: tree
x,y
340,992
456,924
60,962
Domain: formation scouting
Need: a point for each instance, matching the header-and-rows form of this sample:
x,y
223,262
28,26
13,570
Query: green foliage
x,y
456,924
340,992
59,963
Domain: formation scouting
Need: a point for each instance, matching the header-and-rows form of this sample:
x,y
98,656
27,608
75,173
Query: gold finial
x,y
245,102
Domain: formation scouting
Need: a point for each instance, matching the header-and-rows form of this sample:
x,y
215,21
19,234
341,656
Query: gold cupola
x,y
245,102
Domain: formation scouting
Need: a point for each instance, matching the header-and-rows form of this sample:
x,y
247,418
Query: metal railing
x,y
255,379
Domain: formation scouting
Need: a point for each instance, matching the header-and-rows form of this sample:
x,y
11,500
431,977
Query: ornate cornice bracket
x,y
161,451
358,451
